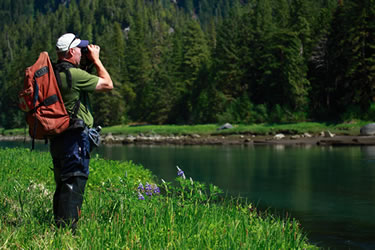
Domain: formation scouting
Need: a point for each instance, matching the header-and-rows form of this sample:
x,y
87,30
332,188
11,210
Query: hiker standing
x,y
71,150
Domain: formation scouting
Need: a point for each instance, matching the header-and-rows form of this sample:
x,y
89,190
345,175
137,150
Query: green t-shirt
x,y
82,84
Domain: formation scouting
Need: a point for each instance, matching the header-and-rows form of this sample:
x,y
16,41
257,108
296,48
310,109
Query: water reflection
x,y
368,152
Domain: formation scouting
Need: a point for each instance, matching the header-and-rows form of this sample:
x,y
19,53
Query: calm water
x,y
330,190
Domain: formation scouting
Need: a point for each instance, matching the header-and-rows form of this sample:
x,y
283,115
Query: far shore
x,y
302,133
241,139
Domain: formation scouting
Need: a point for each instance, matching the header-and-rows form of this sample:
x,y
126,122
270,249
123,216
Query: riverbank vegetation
x,y
346,128
125,207
207,61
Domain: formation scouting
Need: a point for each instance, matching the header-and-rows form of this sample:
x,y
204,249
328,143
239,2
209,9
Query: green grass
x,y
14,131
162,129
349,128
186,215
346,128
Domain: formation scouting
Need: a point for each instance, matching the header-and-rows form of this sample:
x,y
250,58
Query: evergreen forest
x,y
204,61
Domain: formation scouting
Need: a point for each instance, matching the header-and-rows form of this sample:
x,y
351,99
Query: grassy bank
x,y
348,128
118,212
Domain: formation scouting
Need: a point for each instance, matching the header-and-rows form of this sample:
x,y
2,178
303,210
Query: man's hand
x,y
105,82
94,51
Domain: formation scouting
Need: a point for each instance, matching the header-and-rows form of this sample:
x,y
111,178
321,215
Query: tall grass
x,y
124,208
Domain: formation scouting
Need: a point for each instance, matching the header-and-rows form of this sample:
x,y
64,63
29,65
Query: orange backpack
x,y
41,99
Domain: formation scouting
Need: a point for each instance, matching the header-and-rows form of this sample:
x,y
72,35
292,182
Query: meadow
x,y
126,207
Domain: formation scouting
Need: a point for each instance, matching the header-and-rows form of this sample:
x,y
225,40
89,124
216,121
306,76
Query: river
x,y
330,190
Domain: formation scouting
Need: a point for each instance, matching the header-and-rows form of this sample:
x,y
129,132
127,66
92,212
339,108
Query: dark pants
x,y
67,200
71,156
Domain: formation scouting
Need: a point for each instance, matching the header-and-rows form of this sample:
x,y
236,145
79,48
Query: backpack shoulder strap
x,y
63,66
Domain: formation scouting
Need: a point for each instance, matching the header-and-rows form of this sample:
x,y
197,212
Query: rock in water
x,y
368,129
109,138
307,135
328,134
279,136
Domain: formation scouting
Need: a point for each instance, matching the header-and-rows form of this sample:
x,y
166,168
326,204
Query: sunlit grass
x,y
14,131
346,128
349,128
124,209
161,129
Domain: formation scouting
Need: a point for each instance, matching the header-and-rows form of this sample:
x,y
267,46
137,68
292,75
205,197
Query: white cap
x,y
68,41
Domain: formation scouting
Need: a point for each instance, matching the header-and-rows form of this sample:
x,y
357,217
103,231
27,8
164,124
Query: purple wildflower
x,y
180,172
156,189
148,189
140,187
140,196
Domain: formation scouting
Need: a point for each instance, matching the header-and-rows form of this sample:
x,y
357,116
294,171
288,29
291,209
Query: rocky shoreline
x,y
322,139
243,139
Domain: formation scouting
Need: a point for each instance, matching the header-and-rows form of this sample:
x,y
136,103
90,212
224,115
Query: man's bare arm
x,y
105,82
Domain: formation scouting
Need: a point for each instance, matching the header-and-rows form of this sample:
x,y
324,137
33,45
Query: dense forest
x,y
204,61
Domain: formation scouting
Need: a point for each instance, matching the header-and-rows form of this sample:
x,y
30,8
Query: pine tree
x,y
361,40
301,16
318,64
262,22
138,63
104,106
195,52
227,58
195,57
282,13
88,20
116,51
113,56
351,58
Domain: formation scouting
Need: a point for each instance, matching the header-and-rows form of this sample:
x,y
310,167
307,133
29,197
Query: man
x,y
71,150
